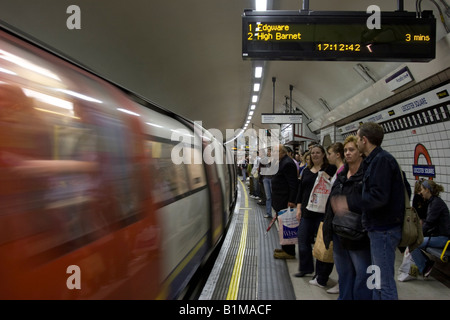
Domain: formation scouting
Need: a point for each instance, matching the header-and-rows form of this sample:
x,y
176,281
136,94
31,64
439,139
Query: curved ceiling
x,y
186,55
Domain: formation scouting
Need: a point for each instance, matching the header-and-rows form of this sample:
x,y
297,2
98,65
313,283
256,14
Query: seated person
x,y
436,227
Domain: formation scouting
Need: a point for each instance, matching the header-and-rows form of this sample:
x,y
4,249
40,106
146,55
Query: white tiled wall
x,y
436,138
401,144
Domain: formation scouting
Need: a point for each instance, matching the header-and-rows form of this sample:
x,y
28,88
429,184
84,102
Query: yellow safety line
x,y
237,269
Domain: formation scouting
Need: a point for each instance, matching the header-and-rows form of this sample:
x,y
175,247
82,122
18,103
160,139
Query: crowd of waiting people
x,y
366,180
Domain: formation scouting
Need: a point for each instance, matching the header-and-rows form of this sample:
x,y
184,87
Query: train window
x,y
171,179
196,172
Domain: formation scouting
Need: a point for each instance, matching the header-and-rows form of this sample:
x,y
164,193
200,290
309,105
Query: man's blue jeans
x,y
383,245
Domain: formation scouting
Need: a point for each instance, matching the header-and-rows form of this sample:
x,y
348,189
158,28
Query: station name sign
x,y
281,118
424,170
341,35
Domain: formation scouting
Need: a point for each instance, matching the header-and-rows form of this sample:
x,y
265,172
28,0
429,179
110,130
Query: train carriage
x,y
91,204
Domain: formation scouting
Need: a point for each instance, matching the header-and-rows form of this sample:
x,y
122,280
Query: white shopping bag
x,y
407,270
288,226
319,194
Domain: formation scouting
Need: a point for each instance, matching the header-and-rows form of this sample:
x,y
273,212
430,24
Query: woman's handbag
x,y
319,251
319,194
349,225
412,235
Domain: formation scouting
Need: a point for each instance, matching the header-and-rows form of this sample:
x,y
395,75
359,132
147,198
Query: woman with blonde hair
x,y
351,257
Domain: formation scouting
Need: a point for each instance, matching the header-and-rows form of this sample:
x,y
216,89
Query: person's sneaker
x,y
315,283
278,250
282,255
267,216
428,267
334,289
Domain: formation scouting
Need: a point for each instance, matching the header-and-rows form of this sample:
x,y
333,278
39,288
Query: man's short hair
x,y
288,149
373,132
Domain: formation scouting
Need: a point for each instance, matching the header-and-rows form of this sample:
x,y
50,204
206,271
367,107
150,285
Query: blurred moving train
x,y
91,204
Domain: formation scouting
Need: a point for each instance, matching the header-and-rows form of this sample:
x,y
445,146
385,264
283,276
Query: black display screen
x,y
292,35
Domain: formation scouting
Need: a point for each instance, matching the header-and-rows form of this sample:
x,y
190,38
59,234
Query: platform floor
x,y
246,270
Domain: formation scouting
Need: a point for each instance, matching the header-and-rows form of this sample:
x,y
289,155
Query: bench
x,y
442,254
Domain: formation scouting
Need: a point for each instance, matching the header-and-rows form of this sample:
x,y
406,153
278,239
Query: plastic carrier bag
x,y
319,193
288,226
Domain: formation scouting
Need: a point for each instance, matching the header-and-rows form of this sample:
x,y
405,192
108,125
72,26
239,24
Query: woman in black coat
x,y
436,227
351,257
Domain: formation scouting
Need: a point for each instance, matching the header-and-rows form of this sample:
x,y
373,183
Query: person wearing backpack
x,y
383,202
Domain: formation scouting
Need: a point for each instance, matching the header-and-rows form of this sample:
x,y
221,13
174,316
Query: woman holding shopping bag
x,y
310,220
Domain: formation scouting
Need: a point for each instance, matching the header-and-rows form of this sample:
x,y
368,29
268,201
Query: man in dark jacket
x,y
284,192
383,203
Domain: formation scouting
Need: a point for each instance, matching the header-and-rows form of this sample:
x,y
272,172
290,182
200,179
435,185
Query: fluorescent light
x,y
261,5
256,87
258,72
79,95
249,117
7,71
254,98
57,102
251,113
129,112
57,113
154,124
253,107
26,64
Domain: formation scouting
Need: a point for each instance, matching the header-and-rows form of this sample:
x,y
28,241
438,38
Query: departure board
x,y
318,35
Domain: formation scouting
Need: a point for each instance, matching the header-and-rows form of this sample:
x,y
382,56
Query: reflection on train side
x,y
86,181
